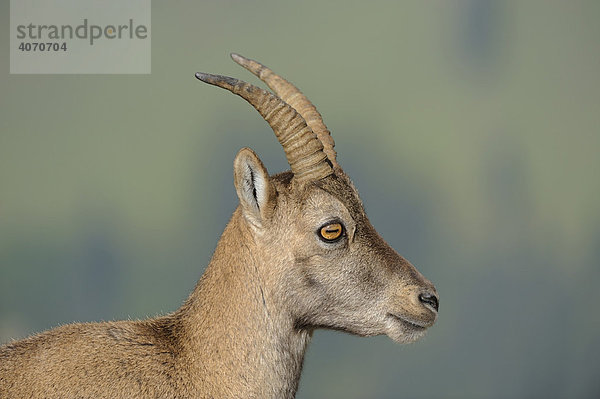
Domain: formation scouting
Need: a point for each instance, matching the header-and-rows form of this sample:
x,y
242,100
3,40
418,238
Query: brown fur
x,y
243,331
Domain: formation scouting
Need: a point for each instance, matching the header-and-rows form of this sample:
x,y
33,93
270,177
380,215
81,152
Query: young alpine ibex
x,y
298,254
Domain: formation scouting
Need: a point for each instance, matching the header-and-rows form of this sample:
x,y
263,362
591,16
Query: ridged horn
x,y
303,150
294,97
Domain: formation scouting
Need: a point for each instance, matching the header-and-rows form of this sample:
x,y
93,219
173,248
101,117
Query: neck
x,y
238,340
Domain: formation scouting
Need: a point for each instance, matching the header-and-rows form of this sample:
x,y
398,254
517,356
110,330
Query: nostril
x,y
430,299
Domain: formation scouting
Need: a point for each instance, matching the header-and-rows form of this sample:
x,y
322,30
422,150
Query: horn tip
x,y
240,59
218,80
202,76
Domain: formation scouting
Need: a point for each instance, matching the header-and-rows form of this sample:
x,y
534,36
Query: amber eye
x,y
331,232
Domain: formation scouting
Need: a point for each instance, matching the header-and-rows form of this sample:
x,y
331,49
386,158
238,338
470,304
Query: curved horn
x,y
304,151
294,97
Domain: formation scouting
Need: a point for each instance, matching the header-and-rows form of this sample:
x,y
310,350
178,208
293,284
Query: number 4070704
x,y
35,46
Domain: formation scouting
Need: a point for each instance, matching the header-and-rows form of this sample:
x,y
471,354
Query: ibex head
x,y
327,266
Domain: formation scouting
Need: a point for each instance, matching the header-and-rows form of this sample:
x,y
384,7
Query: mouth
x,y
411,324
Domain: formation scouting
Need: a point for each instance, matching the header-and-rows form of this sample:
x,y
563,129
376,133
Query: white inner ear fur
x,y
254,187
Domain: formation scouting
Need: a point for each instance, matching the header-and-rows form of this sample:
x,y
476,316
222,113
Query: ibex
x,y
299,253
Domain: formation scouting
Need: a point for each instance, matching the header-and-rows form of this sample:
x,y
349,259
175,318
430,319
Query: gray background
x,y
471,129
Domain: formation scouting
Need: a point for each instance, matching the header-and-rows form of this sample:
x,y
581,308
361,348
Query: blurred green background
x,y
471,129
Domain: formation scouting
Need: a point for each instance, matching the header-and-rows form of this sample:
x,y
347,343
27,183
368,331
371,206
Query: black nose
x,y
430,299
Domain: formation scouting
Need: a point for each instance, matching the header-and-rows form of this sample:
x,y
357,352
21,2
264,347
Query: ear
x,y
253,186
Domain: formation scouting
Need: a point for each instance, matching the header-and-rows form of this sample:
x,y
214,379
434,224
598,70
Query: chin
x,y
402,331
